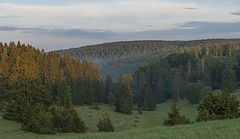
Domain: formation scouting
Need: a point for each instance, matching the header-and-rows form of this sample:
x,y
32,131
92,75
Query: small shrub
x,y
95,107
174,118
105,124
140,112
136,120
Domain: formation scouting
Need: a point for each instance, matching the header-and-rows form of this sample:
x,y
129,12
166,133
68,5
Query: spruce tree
x,y
147,101
174,118
105,124
229,79
124,100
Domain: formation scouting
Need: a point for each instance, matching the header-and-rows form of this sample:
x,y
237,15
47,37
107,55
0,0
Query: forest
x,y
36,86
42,90
126,57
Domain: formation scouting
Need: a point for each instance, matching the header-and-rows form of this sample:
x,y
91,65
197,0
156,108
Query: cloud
x,y
58,38
235,13
116,16
77,23
190,8
75,33
8,28
1,17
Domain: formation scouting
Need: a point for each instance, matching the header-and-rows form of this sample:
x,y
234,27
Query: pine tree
x,y
124,100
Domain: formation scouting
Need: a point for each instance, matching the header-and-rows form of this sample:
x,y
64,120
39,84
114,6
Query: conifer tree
x,y
229,79
174,118
105,124
147,101
108,87
218,107
124,100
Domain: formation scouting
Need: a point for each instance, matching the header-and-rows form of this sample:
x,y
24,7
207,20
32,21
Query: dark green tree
x,y
105,124
124,100
111,99
174,118
4,91
218,107
178,87
66,120
229,79
147,101
161,91
196,92
108,87
37,120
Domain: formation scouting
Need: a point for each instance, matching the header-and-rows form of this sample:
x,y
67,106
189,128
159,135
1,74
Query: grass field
x,y
135,126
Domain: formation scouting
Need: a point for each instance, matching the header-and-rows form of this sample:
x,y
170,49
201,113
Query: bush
x,y
105,124
174,118
218,107
139,111
39,119
95,107
36,120
66,120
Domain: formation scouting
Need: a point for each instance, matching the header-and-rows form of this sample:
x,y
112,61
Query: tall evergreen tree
x,y
229,79
108,87
124,100
147,101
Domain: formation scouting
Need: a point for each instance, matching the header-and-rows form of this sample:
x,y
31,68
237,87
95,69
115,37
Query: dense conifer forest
x,y
126,57
38,86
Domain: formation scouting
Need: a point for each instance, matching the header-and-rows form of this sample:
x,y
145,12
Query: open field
x,y
135,126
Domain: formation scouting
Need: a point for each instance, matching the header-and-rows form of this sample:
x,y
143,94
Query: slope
x,y
125,57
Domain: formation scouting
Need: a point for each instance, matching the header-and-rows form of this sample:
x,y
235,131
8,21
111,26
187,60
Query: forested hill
x,y
125,57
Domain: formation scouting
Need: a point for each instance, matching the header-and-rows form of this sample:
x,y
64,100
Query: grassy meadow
x,y
135,126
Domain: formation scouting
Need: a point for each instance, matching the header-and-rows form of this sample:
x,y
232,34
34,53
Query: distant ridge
x,y
125,57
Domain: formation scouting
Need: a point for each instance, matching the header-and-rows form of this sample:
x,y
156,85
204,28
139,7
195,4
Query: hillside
x,y
149,125
125,57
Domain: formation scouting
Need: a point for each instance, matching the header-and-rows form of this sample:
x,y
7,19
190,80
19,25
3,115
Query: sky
x,y
62,24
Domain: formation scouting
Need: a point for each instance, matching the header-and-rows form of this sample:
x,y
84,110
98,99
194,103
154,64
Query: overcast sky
x,y
60,24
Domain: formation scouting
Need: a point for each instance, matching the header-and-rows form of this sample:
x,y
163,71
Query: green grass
x,y
120,121
147,125
155,118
